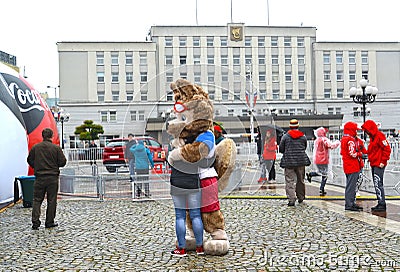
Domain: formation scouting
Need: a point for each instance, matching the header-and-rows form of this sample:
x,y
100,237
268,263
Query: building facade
x,y
124,86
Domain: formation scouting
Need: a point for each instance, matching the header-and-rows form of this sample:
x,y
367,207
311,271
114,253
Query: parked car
x,y
113,154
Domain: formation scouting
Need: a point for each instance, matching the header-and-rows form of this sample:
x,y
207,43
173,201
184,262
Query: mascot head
x,y
193,110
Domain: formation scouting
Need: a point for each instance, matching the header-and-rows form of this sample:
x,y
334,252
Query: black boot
x,y
379,208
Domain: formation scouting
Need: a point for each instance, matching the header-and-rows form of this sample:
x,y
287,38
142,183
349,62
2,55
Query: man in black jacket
x,y
294,160
46,159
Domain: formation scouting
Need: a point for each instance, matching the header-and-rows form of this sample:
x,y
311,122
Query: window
x,y
236,77
352,76
129,77
274,41
168,41
143,76
300,60
197,77
182,60
114,58
210,59
274,59
224,41
169,77
247,41
115,95
352,57
224,76
302,94
182,41
196,41
327,58
301,77
224,60
364,57
338,110
210,41
114,76
261,41
100,76
261,59
327,75
288,76
100,58
339,76
247,59
330,110
287,42
141,115
100,96
275,94
113,116
263,94
211,77
104,116
231,112
225,95
339,57
327,93
143,58
236,59
364,74
300,41
289,94
339,93
236,95
143,96
129,95
133,115
261,77
183,75
168,60
196,59
288,59
245,112
128,58
211,94
275,76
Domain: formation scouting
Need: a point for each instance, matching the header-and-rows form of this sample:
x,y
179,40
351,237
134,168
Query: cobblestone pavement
x,y
265,235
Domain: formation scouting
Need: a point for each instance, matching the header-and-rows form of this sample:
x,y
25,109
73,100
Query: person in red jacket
x,y
378,156
268,156
352,149
322,146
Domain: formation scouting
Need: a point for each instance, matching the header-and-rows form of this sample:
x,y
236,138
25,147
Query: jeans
x,y
131,164
350,191
182,203
377,174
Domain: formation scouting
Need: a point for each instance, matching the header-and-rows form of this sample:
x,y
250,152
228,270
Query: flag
x,y
255,98
248,98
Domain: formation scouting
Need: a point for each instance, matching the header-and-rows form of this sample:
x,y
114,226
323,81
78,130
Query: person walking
x,y
378,155
268,156
46,159
294,160
322,146
143,161
351,151
128,156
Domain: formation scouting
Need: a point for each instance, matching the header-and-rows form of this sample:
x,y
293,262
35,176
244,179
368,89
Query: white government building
x,y
124,86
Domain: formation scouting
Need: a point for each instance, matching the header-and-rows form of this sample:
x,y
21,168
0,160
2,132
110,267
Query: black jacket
x,y
293,146
46,159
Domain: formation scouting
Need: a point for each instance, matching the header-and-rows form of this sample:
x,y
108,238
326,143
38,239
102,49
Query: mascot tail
x,y
225,161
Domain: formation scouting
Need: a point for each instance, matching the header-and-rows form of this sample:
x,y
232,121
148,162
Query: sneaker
x,y
352,208
301,201
322,193
180,252
272,181
35,227
308,177
379,208
291,203
199,250
261,180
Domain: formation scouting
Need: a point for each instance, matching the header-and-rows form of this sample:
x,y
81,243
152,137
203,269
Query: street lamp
x,y
55,93
365,95
60,116
251,99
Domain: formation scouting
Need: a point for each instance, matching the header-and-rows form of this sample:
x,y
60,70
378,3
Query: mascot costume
x,y
194,144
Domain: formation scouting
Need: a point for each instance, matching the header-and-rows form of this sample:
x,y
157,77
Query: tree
x,y
89,131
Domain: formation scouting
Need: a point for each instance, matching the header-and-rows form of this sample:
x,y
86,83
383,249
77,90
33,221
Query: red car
x,y
113,154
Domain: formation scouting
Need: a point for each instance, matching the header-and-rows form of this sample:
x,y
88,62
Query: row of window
x,y
115,77
128,58
340,75
196,41
351,57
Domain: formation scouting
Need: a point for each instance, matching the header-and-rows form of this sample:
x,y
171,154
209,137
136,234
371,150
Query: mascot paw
x,y
219,235
216,247
190,243
174,155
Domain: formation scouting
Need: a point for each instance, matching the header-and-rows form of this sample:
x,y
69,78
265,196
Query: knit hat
x,y
293,123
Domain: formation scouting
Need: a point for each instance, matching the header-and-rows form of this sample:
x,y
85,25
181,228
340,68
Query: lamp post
x,y
251,99
365,95
60,116
55,93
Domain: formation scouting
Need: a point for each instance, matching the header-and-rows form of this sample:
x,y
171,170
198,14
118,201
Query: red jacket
x,y
352,149
322,145
270,147
378,148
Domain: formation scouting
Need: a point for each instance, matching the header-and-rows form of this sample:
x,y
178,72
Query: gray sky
x,y
32,28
